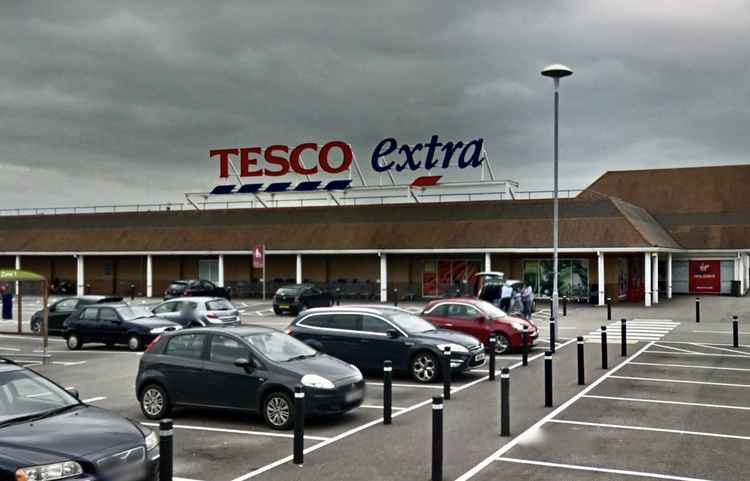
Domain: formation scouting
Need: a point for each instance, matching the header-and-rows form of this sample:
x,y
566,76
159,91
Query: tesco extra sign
x,y
337,156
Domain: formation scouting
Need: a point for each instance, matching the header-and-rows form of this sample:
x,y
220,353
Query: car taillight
x,y
289,331
153,344
187,292
212,316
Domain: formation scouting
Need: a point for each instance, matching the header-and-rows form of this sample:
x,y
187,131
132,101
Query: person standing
x,y
527,298
506,293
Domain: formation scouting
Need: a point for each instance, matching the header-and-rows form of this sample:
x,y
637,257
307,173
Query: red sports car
x,y
480,319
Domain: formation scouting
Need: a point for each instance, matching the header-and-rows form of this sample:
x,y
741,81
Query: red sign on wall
x,y
705,277
259,253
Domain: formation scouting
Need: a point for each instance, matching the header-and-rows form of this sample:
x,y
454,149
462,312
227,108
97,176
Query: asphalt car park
x,y
651,418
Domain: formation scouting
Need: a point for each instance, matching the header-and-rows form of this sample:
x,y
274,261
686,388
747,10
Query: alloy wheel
x,y
277,411
424,367
153,401
502,345
134,343
73,342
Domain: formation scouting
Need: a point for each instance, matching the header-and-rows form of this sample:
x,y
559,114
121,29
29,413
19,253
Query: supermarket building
x,y
639,235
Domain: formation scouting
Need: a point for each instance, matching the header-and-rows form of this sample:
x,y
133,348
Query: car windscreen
x,y
278,346
288,291
491,310
25,394
411,323
219,305
177,286
129,313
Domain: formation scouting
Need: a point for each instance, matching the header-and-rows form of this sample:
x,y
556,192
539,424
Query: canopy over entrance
x,y
17,275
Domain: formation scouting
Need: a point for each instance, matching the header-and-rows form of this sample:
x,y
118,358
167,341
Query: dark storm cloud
x,y
106,102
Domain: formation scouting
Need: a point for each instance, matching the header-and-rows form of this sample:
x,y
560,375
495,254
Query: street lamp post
x,y
556,72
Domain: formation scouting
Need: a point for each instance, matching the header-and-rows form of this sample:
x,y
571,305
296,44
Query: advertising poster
x,y
705,277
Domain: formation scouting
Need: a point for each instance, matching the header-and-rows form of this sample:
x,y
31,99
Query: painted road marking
x,y
14,349
677,403
709,354
423,386
645,428
720,348
237,431
373,406
598,469
690,366
720,332
531,431
679,381
94,399
673,348
637,330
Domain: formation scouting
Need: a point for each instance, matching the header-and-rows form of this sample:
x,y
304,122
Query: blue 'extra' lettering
x,y
470,154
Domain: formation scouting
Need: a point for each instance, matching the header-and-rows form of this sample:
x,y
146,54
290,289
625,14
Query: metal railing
x,y
91,209
545,194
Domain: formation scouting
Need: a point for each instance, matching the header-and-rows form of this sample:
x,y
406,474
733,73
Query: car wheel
x,y
424,367
134,342
278,411
503,343
155,402
277,311
36,327
73,341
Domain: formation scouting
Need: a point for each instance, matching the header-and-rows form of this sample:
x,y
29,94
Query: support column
x,y
600,276
383,278
655,283
487,262
299,268
149,276
220,281
669,275
80,281
18,266
647,279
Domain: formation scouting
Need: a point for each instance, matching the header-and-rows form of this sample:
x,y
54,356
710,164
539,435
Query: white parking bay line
x,y
94,399
373,406
423,386
690,366
576,467
14,349
708,354
676,403
175,478
679,381
719,332
238,431
645,428
721,349
673,348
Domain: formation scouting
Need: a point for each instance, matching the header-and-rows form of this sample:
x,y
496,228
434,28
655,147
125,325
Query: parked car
x,y
480,319
251,368
46,433
198,311
296,298
367,336
61,309
134,326
195,288
64,287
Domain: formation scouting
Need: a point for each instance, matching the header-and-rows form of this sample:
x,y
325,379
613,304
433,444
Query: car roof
x,y
465,300
196,299
244,330
297,286
367,309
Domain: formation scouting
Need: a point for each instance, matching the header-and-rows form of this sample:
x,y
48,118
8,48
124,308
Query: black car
x,y
251,369
61,309
113,324
193,288
368,335
295,298
47,433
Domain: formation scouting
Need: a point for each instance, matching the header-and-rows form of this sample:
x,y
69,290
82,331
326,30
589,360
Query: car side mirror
x,y
73,392
392,334
245,363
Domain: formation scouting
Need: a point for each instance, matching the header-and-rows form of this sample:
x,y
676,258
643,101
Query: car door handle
x,y
364,341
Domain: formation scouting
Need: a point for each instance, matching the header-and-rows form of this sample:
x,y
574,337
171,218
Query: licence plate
x,y
479,357
283,306
353,395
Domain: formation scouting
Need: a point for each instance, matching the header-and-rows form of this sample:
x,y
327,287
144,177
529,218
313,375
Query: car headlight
x,y
454,348
49,472
318,382
161,330
152,441
518,326
356,370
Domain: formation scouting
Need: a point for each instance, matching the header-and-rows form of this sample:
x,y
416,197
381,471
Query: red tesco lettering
x,y
279,160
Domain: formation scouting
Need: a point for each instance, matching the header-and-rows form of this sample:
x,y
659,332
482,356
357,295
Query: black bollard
x,y
166,449
338,296
548,379
132,291
609,308
387,391
623,337
447,373
493,345
437,438
299,425
552,334
505,402
525,345
604,347
565,306
395,296
581,370
735,332
697,309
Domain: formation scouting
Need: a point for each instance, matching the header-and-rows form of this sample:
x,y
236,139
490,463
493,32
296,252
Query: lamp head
x,y
556,71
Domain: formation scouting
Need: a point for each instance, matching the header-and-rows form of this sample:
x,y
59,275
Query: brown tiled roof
x,y
700,207
597,222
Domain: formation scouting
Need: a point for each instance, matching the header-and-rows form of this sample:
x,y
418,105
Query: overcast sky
x,y
112,102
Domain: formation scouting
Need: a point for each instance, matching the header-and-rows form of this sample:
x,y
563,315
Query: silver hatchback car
x,y
199,311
